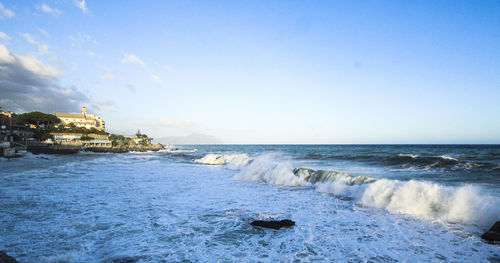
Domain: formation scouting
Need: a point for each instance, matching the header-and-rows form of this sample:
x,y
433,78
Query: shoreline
x,y
72,149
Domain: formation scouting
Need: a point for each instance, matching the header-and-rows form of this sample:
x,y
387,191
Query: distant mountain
x,y
194,138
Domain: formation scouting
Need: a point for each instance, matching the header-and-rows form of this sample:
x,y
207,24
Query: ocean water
x,y
351,203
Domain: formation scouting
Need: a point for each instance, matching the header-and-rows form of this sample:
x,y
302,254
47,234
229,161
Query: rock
x,y
125,260
274,224
4,258
494,233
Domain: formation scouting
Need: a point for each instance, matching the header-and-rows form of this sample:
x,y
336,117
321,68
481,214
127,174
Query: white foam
x,y
413,156
265,170
447,157
178,150
424,199
233,161
465,204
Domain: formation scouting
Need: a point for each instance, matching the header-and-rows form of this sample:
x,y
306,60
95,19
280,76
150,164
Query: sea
x,y
195,203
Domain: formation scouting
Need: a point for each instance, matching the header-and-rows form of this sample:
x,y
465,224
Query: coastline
x,y
72,149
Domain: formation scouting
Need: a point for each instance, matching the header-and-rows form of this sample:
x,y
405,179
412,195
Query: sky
x,y
261,72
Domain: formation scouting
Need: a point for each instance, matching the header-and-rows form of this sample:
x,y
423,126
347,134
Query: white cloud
x,y
29,84
156,79
5,12
82,5
90,53
5,56
57,60
29,38
81,38
105,67
41,47
47,9
4,36
32,64
28,63
108,76
133,59
45,33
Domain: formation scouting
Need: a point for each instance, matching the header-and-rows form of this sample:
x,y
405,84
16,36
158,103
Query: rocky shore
x,y
4,258
71,149
126,148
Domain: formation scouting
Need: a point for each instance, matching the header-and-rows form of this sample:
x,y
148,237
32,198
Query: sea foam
x,y
233,161
464,204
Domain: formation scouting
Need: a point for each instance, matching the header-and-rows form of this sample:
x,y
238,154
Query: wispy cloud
x,y
82,5
106,105
29,38
47,9
81,38
90,53
158,80
105,67
41,47
4,36
5,12
108,76
133,59
45,33
131,88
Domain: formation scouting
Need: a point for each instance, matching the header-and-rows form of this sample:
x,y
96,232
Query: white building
x,y
82,120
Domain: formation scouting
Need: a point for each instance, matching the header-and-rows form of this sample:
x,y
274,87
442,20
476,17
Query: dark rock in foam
x,y
4,258
274,224
494,233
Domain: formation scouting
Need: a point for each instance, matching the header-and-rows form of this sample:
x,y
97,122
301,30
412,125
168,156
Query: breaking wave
x,y
315,176
233,161
423,199
463,204
178,150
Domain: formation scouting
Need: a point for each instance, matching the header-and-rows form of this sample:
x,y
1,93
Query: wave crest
x,y
233,161
315,176
457,205
263,169
465,204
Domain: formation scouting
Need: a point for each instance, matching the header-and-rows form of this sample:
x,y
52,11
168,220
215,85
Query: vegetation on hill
x,y
124,143
43,122
73,129
86,138
38,119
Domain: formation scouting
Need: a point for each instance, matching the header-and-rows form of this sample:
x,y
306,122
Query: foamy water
x,y
152,207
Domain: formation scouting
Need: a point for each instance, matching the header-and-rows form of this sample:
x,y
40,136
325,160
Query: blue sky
x,y
261,71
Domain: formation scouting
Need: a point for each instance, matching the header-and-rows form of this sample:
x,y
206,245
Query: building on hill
x,y
10,127
94,140
82,120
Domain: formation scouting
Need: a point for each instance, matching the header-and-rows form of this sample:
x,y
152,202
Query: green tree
x,y
43,122
37,118
86,138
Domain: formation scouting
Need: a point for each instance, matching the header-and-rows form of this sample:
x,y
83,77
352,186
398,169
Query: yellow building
x,y
82,120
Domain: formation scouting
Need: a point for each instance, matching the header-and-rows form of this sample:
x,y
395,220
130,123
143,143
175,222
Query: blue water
x,y
377,203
